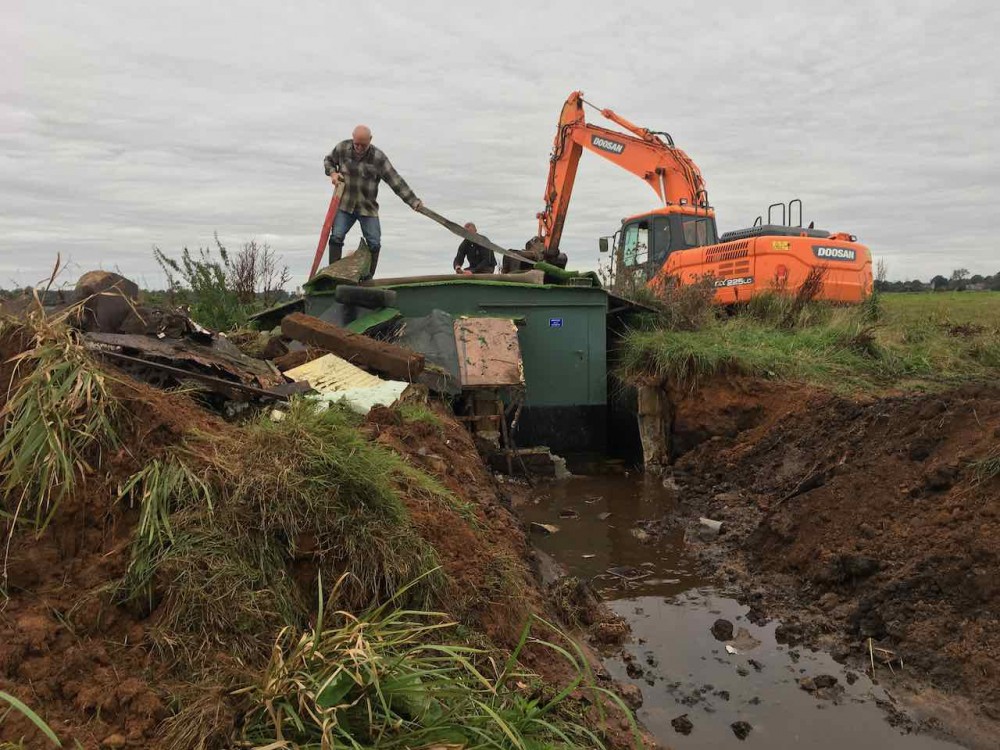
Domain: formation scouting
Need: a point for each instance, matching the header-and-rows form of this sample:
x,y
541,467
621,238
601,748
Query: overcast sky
x,y
125,125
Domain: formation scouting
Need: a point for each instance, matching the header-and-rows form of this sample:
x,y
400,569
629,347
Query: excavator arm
x,y
648,155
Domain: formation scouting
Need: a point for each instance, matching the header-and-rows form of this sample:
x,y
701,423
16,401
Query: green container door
x,y
557,349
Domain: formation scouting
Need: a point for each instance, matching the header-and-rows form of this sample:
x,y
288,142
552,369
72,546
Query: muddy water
x,y
675,660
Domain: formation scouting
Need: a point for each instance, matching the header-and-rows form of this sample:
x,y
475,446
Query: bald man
x,y
361,166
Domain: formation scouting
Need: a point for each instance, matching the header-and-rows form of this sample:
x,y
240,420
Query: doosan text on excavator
x,y
678,242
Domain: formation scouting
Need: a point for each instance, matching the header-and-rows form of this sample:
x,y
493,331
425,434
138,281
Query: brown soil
x,y
66,648
86,663
724,409
480,544
858,519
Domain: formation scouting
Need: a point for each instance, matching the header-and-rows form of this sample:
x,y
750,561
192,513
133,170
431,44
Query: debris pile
x,y
160,556
344,357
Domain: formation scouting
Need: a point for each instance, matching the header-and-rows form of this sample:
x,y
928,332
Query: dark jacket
x,y
481,259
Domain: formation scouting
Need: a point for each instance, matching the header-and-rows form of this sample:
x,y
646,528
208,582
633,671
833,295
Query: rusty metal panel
x,y
489,354
218,356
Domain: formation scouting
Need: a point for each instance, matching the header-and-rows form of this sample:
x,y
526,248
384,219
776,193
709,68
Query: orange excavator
x,y
678,242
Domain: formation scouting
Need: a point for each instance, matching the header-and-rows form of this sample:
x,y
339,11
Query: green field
x,y
919,341
982,308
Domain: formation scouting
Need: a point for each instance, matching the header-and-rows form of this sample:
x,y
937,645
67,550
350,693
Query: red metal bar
x,y
324,234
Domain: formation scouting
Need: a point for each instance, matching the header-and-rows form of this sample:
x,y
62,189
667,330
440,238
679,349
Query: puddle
x,y
589,544
675,659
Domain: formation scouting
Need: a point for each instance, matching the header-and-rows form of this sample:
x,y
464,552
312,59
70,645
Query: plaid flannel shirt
x,y
362,177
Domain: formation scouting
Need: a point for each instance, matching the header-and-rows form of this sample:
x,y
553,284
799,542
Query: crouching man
x,y
481,259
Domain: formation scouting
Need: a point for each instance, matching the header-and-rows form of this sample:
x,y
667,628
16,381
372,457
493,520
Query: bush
x,y
222,293
871,307
687,307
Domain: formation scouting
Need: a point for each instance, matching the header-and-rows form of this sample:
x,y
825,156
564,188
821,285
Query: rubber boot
x,y
336,250
371,271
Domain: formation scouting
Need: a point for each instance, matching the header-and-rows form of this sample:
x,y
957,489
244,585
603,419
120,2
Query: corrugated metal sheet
x,y
330,373
218,356
489,354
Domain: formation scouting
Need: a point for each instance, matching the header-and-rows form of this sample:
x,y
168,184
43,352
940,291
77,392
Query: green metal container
x,y
563,345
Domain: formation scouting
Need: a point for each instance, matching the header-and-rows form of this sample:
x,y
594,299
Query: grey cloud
x,y
124,125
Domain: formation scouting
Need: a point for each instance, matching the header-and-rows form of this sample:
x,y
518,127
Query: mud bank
x,y
868,527
108,670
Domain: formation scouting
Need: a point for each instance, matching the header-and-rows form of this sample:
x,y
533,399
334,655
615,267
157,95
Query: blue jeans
x,y
370,229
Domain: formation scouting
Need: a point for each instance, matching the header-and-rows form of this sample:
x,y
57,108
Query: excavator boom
x,y
650,156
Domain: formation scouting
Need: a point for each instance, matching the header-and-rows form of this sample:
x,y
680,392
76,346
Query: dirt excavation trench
x,y
844,592
854,533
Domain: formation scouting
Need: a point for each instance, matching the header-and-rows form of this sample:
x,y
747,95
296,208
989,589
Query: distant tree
x,y
958,279
939,283
977,279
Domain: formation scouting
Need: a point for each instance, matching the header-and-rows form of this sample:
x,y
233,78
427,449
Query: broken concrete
x,y
654,426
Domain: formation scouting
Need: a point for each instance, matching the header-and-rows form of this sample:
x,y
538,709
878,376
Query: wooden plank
x,y
489,354
389,359
478,239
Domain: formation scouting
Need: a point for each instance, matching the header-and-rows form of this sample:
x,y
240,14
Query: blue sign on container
x,y
555,322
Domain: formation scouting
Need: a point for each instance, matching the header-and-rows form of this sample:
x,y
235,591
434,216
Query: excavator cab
x,y
645,242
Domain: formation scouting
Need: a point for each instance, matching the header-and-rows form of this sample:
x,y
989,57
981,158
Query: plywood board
x,y
489,354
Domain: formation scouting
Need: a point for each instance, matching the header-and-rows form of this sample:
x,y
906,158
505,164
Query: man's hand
x,y
418,205
336,178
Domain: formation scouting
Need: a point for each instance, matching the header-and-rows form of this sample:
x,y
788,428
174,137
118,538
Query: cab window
x,y
698,232
635,244
661,239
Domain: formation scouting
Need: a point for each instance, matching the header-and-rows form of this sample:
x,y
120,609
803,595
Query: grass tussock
x,y
987,469
58,418
225,529
893,342
416,411
341,497
386,679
